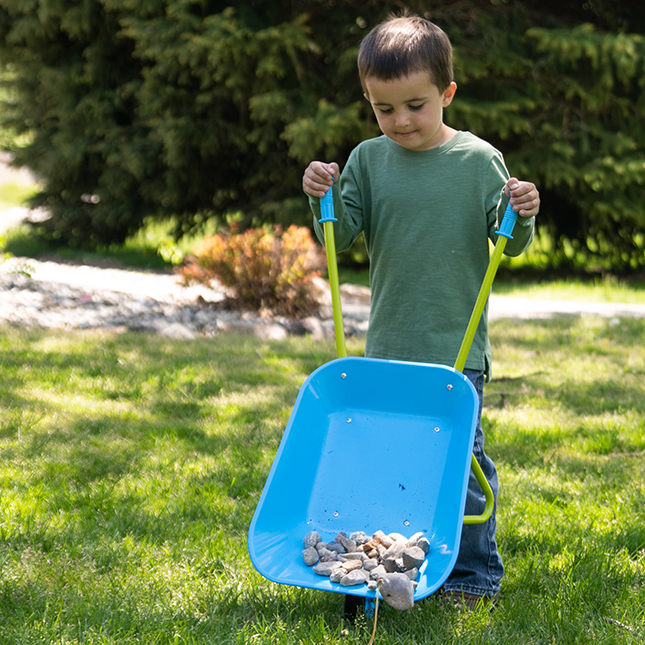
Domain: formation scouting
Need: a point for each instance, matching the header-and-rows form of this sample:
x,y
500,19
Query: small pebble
x,y
370,564
377,572
337,574
352,565
311,539
415,538
310,556
413,557
348,545
325,568
356,577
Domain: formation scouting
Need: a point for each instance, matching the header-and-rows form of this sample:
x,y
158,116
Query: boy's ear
x,y
449,94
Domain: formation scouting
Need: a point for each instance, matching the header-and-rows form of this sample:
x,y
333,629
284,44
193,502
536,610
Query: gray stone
x,y
397,591
413,557
326,553
392,565
377,572
412,573
415,538
311,539
270,332
325,568
348,545
359,537
313,327
337,574
396,550
353,578
370,564
424,545
310,556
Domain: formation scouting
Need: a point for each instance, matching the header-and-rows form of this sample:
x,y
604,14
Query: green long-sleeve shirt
x,y
427,217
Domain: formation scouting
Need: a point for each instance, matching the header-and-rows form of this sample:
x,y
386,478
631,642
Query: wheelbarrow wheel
x,y
352,606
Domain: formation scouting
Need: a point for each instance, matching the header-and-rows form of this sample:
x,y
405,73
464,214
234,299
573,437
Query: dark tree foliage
x,y
201,109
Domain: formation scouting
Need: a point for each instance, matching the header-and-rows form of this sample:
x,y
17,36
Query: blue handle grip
x,y
327,208
508,222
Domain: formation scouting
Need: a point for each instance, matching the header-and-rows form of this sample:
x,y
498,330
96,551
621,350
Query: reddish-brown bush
x,y
263,268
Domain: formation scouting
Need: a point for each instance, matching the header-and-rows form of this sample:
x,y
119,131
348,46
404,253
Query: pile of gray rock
x,y
51,295
359,559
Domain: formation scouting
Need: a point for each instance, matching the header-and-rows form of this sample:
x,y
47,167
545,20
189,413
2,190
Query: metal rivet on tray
x,y
406,523
335,513
450,387
349,420
437,429
343,375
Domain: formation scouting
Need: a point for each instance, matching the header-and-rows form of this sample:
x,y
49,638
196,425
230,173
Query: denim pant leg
x,y
479,568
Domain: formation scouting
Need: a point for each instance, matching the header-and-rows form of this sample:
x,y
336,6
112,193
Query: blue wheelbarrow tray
x,y
370,445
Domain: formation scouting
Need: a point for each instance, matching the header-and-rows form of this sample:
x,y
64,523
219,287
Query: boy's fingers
x,y
333,170
319,177
527,207
315,186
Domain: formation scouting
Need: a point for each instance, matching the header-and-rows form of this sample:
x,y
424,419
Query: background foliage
x,y
198,110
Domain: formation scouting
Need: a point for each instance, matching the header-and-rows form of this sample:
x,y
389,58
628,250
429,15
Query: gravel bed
x,y
53,295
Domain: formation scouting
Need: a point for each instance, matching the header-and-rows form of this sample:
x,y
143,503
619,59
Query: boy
x,y
428,198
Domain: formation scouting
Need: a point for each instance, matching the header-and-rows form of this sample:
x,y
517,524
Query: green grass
x,y
14,194
131,465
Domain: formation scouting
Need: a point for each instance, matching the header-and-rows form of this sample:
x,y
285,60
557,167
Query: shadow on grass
x,y
144,434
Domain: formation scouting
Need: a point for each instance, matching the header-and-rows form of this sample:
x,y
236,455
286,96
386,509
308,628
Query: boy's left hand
x,y
525,198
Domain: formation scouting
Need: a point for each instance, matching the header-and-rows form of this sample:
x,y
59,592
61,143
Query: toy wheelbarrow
x,y
349,457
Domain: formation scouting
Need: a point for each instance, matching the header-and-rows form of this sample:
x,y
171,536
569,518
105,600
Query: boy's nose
x,y
401,119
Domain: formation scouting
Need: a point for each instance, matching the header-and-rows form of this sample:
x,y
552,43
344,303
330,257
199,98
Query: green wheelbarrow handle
x,y
504,233
488,492
327,219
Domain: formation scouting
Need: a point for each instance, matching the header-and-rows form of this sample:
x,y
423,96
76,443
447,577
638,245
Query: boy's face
x,y
409,110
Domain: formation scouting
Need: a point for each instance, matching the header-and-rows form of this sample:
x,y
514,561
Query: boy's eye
x,y
385,110
415,108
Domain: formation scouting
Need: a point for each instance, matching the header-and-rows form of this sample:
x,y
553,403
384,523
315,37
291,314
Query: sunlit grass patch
x,y
132,464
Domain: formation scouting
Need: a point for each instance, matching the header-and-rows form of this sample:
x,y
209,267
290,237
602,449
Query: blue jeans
x,y
479,568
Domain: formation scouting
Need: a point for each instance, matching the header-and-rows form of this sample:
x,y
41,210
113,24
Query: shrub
x,y
264,268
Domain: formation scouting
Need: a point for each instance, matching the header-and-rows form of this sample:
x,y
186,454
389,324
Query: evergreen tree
x,y
201,109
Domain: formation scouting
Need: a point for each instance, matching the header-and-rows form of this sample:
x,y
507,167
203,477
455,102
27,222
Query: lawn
x,y
131,466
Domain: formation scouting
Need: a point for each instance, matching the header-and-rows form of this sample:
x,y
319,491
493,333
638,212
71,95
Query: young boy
x,y
428,198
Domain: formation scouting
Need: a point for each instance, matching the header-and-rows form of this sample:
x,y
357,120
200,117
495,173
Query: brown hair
x,y
403,45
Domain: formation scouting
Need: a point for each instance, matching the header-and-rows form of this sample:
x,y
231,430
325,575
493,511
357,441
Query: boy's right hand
x,y
319,177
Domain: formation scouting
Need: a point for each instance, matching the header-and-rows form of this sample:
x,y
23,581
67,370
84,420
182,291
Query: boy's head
x,y
401,46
